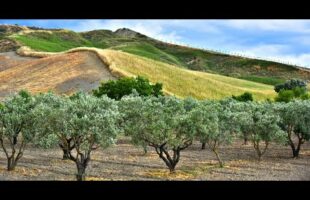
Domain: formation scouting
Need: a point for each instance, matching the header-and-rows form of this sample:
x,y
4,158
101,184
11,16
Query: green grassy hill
x,y
190,58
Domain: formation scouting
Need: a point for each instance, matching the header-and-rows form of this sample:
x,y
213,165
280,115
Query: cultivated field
x,y
64,73
126,162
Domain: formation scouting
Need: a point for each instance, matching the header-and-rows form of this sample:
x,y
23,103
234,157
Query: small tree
x,y
295,121
242,109
89,122
214,123
159,122
245,97
129,106
205,121
17,126
290,85
53,108
262,125
124,86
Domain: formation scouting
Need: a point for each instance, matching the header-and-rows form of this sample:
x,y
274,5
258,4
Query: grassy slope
x,y
184,83
55,42
195,59
148,51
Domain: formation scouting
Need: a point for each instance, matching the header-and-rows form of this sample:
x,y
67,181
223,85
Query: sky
x,y
279,40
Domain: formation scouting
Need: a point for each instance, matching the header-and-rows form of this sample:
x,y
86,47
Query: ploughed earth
x,y
65,73
126,162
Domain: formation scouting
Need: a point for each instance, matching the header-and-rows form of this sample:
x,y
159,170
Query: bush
x,y
285,96
247,96
124,86
289,95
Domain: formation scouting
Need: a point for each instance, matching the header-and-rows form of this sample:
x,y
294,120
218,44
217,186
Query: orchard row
x,y
82,123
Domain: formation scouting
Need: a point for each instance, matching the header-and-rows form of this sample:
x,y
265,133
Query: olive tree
x,y
261,123
214,124
52,108
17,126
90,122
295,121
130,106
159,122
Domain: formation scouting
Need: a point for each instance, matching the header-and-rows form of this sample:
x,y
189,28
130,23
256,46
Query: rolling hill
x,y
68,61
63,66
57,40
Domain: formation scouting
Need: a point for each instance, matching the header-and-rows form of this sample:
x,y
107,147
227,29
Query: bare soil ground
x,y
126,162
64,73
11,59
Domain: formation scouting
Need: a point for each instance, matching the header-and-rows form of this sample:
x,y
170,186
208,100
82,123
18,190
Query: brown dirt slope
x,y
65,73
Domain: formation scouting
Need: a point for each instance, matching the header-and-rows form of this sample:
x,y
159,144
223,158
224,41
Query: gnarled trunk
x,y
203,145
170,161
81,158
66,155
295,149
13,158
81,167
260,152
11,163
245,141
66,147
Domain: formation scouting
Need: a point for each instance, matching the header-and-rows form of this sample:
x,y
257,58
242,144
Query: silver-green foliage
x,y
261,122
295,121
213,123
18,125
160,123
89,121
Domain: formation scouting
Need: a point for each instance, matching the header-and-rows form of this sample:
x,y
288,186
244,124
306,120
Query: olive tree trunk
x,y
295,148
13,158
260,152
66,147
170,160
203,145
